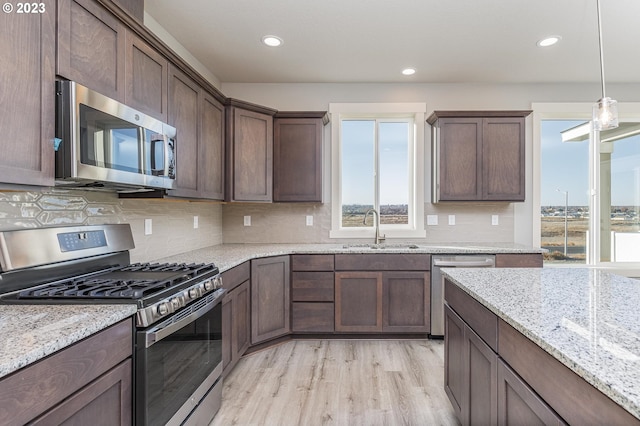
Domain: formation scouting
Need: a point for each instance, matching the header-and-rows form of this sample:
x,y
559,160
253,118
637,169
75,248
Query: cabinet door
x,y
183,115
235,326
27,78
270,298
518,404
91,47
503,146
105,401
406,303
358,301
146,78
480,404
454,371
211,148
297,159
460,150
250,153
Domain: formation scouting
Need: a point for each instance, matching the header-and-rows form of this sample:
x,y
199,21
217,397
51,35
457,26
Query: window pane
x,y
620,194
393,140
358,184
565,173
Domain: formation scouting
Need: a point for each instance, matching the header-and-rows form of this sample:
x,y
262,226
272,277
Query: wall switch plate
x,y
452,219
432,219
247,221
195,222
309,220
495,219
148,227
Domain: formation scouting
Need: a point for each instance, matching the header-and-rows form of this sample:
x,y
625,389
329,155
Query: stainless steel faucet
x,y
379,238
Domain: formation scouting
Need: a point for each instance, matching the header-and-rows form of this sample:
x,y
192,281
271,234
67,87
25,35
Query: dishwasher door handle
x,y
485,263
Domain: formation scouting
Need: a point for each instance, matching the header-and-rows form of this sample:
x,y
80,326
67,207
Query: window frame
x,y
382,112
629,111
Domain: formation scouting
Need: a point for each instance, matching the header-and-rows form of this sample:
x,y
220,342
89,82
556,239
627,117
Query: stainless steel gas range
x,y
178,336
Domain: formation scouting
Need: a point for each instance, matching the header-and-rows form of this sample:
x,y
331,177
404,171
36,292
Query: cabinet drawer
x,y
236,276
518,261
383,262
312,262
312,317
479,318
312,287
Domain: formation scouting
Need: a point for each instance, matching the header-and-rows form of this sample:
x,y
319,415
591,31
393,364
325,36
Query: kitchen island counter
x,y
587,319
31,332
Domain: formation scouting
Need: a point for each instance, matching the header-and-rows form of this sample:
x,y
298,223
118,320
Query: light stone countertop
x,y
31,332
588,319
226,256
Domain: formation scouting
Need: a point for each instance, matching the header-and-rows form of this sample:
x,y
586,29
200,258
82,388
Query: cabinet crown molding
x,y
485,114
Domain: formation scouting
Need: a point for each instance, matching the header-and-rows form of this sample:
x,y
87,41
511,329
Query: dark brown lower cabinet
x,y
270,298
518,404
312,296
86,383
470,373
312,317
390,301
236,327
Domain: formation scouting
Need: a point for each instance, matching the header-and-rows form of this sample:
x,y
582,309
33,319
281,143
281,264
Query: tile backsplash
x,y
173,230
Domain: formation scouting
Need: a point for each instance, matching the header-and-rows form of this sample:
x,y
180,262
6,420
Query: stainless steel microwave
x,y
103,144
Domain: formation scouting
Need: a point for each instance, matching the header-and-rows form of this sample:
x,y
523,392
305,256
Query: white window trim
x,y
417,111
575,111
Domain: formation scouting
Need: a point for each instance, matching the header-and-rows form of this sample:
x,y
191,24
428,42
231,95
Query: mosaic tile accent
x,y
173,230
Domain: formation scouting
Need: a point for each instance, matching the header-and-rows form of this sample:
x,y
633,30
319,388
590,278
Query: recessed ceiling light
x,y
409,71
548,41
272,41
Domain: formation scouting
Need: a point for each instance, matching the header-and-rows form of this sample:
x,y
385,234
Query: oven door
x,y
178,363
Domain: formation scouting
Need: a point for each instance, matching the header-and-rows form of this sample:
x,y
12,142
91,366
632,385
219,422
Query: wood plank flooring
x,y
339,382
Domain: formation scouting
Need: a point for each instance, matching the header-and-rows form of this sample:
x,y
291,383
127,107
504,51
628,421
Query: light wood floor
x,y
337,382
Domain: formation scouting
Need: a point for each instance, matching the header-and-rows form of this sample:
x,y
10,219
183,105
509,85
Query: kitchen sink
x,y
379,246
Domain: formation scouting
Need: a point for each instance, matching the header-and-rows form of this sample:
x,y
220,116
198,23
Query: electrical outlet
x,y
452,219
495,219
309,220
195,222
247,221
432,219
148,227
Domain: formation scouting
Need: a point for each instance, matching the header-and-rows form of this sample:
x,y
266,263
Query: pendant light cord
x,y
600,45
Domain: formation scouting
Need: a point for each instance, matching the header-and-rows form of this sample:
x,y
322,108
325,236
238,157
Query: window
x,y
599,173
378,164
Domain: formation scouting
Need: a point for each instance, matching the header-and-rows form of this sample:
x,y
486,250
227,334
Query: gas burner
x,y
97,288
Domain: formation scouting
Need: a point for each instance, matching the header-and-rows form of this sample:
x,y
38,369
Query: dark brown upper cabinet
x,y
297,156
478,155
146,78
91,47
27,79
249,152
199,121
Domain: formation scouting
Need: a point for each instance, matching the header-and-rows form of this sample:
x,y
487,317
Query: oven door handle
x,y
155,335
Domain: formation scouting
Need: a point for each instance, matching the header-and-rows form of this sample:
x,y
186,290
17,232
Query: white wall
x,y
520,216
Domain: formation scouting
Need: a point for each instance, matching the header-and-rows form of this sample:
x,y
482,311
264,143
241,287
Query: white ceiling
x,y
447,41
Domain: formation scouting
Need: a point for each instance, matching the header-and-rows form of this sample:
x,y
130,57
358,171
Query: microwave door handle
x,y
142,154
157,138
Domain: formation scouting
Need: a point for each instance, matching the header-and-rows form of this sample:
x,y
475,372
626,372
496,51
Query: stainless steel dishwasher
x,y
437,282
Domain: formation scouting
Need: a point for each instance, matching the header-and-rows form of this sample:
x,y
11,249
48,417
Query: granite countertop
x,y
588,319
226,256
31,332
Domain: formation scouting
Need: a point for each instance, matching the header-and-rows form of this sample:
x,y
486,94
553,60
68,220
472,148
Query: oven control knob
x,y
175,303
208,285
217,282
163,308
194,292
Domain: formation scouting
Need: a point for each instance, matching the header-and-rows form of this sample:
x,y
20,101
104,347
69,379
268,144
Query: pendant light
x,y
605,111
